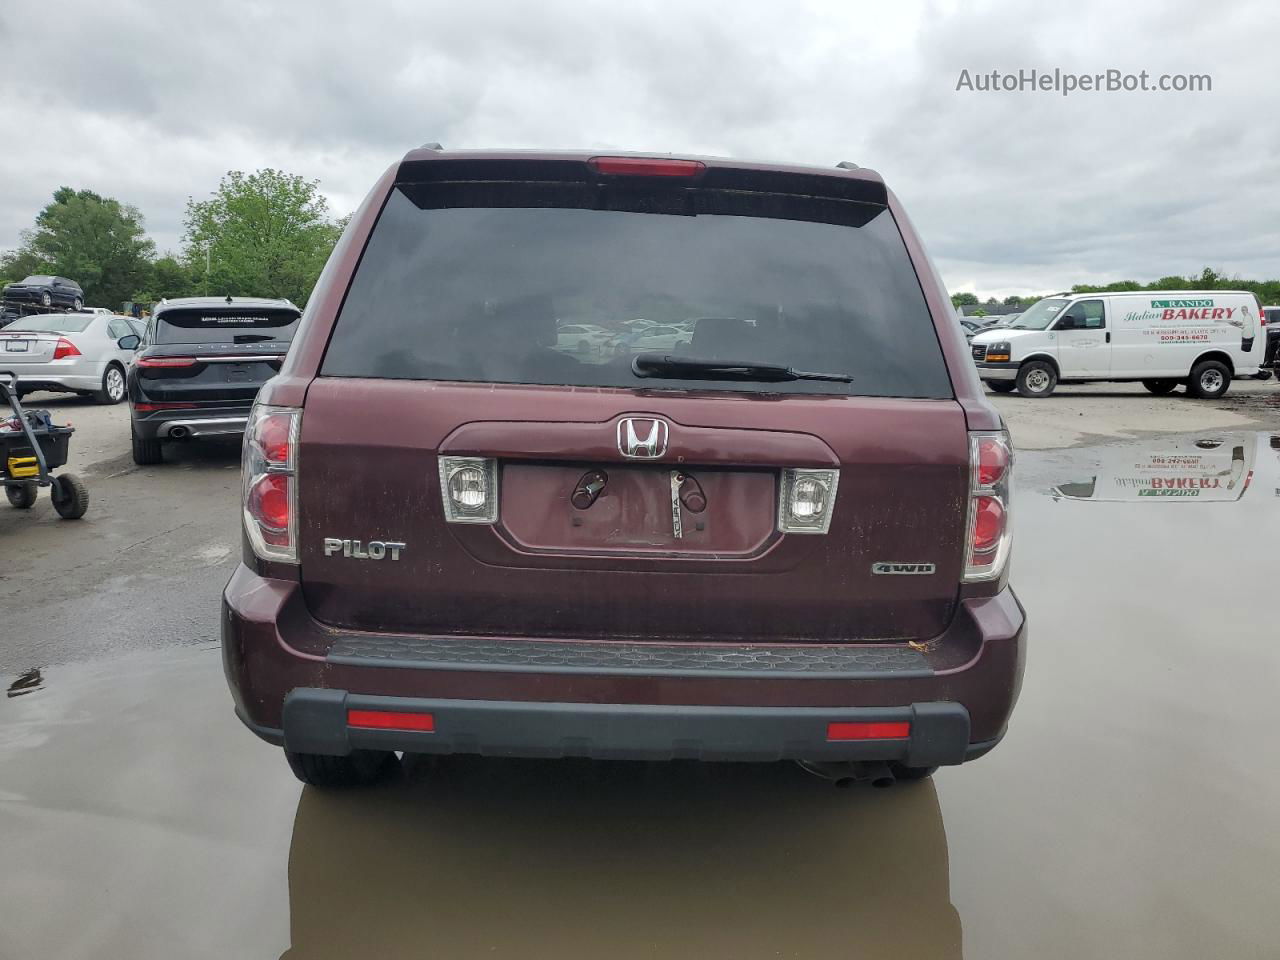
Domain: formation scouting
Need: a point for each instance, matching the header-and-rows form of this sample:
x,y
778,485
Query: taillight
x,y
646,166
469,489
65,348
987,532
156,362
806,500
270,474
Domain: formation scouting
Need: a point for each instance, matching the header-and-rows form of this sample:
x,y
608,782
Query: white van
x,y
1161,338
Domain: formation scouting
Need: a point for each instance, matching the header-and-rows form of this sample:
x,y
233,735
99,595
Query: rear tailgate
x,y
208,372
548,569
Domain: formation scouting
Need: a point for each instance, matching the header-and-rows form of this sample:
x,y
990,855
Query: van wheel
x,y
1160,387
146,452
1001,386
359,768
1209,379
1036,379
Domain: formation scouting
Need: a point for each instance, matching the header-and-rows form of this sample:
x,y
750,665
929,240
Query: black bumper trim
x,y
315,721
836,661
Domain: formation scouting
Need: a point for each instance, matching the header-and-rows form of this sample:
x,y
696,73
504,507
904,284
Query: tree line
x,y
266,234
1267,291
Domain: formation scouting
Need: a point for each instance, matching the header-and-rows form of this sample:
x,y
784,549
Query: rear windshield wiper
x,y
253,337
691,368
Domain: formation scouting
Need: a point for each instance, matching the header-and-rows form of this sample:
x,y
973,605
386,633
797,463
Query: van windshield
x,y
1040,314
518,287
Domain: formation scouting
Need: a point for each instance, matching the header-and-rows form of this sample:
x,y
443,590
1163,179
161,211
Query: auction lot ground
x,y
1129,813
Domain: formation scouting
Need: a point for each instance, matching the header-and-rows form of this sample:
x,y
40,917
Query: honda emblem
x,y
642,439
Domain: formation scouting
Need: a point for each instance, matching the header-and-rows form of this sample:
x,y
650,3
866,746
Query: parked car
x,y
45,290
69,352
970,327
660,338
460,540
1159,338
586,339
199,366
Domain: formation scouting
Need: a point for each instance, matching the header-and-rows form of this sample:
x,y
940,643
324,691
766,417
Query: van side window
x,y
1095,317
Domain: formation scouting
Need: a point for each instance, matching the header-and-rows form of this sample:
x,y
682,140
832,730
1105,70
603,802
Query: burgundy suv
x,y
622,456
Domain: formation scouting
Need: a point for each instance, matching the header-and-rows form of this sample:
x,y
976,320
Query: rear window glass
x,y
55,323
215,325
536,289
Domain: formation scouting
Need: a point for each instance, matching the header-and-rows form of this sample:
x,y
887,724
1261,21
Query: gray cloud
x,y
151,102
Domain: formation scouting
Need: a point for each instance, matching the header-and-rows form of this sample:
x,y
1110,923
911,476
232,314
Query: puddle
x,y
1212,467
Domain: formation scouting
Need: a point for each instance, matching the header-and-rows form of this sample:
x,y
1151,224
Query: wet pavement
x,y
1130,812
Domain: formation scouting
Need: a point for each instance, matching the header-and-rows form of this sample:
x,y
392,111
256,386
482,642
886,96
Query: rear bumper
x,y
75,374
191,423
956,695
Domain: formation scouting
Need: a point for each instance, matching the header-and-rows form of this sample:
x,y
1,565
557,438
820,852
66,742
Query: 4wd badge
x,y
885,567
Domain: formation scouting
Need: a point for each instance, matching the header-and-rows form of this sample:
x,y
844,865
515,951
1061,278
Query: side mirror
x,y
1069,322
129,341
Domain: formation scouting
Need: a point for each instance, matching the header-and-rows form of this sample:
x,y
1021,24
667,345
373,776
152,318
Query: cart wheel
x,y
21,495
70,496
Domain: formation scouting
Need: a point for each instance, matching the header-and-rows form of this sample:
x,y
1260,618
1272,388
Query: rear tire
x,y
1209,380
1160,387
46,300
22,496
112,391
70,496
1036,379
1001,386
146,452
358,769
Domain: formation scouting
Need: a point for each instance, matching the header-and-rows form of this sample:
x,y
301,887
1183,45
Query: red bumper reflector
x,y
388,720
868,731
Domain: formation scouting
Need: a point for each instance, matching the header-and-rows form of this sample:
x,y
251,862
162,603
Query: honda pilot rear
x,y
780,530
200,365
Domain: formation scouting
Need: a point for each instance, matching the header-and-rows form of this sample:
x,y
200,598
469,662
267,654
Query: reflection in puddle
x,y
26,683
465,856
1217,468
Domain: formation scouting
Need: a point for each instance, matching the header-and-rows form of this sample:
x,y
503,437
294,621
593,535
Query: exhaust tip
x,y
179,433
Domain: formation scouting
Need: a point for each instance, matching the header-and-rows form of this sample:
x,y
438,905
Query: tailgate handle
x,y
588,488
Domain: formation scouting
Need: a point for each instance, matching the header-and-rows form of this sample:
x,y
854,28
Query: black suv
x,y
199,366
46,291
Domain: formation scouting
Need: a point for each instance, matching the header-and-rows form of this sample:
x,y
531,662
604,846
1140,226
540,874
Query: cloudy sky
x,y
150,101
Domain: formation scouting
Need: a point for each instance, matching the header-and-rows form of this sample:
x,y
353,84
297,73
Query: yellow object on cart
x,y
22,467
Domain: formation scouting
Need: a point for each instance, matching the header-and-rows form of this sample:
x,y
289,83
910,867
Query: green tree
x,y
95,240
170,278
265,234
964,300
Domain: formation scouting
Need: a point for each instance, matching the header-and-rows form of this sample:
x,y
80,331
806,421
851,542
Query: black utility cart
x,y
31,447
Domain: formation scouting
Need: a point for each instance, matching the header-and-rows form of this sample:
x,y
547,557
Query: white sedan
x,y
69,352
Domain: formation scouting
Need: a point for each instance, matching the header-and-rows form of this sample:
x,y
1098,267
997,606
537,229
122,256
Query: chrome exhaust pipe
x,y
180,432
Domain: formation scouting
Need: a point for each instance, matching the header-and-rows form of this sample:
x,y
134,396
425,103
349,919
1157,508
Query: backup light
x,y
469,489
987,531
806,500
269,468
